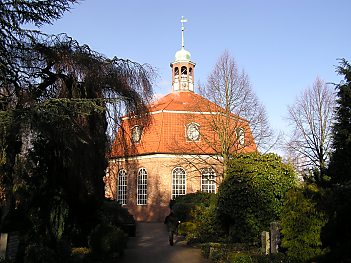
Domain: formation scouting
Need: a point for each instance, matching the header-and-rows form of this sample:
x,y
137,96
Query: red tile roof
x,y
166,133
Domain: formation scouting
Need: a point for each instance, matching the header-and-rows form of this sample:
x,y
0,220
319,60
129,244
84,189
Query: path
x,y
151,245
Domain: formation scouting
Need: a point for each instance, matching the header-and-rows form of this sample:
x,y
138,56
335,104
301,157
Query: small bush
x,y
112,213
272,258
107,240
80,251
302,223
205,250
183,205
197,211
38,253
239,257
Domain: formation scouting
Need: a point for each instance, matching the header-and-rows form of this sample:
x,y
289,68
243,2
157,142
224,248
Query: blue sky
x,y
282,45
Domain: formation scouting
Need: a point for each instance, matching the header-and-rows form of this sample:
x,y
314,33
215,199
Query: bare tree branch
x,y
311,117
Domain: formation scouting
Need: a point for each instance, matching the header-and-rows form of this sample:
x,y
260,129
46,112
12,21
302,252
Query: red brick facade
x,y
159,183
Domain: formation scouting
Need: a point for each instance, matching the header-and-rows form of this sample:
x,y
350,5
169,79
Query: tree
x,y
252,195
340,166
241,112
302,222
311,117
337,233
54,98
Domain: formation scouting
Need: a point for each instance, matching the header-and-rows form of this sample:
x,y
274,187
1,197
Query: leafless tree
x,y
242,122
311,117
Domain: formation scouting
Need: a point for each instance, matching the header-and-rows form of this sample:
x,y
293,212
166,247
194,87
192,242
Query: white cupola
x,y
182,68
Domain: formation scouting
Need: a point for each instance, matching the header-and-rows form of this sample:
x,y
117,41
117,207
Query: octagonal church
x,y
177,152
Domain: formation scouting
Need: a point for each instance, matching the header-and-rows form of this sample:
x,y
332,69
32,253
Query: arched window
x,y
178,182
176,71
191,72
122,187
208,180
240,135
142,187
184,70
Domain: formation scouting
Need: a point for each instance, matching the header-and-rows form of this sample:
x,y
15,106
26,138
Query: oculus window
x,y
193,132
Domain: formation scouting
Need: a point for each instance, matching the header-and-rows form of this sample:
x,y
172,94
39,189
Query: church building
x,y
177,152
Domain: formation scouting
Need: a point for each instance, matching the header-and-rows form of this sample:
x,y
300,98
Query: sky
x,y
283,45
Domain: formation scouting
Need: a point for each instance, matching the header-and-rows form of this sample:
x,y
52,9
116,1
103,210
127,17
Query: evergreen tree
x,y
54,98
340,165
337,233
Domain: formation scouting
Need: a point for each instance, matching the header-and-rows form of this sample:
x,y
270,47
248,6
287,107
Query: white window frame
x,y
208,181
142,187
178,182
122,187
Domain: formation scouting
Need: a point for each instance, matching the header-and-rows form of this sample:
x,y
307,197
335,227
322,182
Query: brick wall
x,y
159,182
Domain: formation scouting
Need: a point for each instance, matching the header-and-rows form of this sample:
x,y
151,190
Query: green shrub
x,y
302,223
107,240
205,250
80,251
239,257
112,213
217,252
206,225
197,211
38,253
252,195
272,258
183,205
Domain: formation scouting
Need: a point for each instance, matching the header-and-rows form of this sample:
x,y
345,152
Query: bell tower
x,y
182,68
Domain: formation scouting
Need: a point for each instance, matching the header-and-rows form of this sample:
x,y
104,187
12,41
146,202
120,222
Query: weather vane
x,y
183,20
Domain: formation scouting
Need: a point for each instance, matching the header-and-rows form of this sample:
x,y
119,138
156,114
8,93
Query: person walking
x,y
172,223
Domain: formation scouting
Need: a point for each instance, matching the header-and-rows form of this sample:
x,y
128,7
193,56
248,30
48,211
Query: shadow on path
x,y
151,245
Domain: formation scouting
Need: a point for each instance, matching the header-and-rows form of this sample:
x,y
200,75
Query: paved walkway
x,y
151,246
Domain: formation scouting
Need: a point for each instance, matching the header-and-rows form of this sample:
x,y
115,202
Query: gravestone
x,y
275,236
12,245
9,243
265,242
3,245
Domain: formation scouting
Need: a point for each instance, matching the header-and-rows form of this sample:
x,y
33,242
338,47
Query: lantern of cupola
x,y
182,68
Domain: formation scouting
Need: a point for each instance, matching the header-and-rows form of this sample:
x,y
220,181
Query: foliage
x,y
236,257
302,222
80,251
183,204
336,235
340,165
197,212
252,196
55,97
229,253
105,240
39,254
113,213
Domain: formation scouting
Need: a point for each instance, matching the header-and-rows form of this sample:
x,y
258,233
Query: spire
x,y
182,67
183,20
